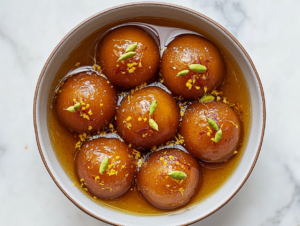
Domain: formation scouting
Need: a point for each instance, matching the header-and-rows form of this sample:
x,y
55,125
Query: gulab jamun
x,y
169,178
116,177
86,103
191,66
143,130
139,51
211,131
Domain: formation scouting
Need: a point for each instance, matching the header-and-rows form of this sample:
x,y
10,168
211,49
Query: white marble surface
x,y
269,31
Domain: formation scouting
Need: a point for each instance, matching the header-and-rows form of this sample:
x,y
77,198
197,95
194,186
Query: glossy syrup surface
x,y
234,88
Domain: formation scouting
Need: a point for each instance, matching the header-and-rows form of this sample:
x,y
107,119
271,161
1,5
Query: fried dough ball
x,y
135,70
133,118
97,98
199,135
185,50
161,190
119,174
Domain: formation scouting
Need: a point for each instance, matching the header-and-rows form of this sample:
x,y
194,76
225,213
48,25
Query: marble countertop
x,y
269,31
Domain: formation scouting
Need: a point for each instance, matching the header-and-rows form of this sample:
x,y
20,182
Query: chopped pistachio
x,y
131,47
177,175
182,73
77,105
198,68
218,136
103,165
206,99
72,109
126,56
212,123
153,107
153,124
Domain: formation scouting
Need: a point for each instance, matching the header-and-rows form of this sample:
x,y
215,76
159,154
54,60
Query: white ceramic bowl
x,y
72,39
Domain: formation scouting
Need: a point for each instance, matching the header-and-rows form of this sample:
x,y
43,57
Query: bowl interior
x,y
185,215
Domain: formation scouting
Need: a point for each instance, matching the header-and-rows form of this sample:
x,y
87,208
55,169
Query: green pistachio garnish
x,y
103,165
153,124
77,105
218,135
213,124
72,109
198,68
126,56
131,47
206,99
177,175
153,107
183,73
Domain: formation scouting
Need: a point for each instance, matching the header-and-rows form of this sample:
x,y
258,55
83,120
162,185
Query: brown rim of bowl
x,y
158,4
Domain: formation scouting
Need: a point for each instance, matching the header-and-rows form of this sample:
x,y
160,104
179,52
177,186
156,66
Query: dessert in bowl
x,y
147,118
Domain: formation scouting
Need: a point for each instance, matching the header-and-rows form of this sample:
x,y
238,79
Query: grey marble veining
x,y
269,31
231,14
281,215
